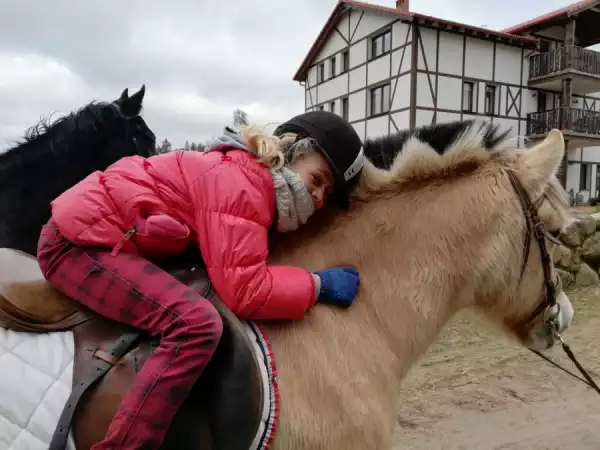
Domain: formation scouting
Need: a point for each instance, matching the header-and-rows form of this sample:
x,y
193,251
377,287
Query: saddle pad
x,y
36,372
266,362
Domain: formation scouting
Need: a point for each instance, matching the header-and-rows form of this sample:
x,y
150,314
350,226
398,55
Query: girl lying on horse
x,y
106,231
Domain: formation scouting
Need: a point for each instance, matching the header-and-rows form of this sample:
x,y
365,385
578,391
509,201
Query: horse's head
x,y
535,309
91,138
128,130
464,215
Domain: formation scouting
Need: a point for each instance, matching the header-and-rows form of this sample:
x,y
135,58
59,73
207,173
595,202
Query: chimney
x,y
402,5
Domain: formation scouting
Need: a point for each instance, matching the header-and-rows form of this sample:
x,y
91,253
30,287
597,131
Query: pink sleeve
x,y
232,234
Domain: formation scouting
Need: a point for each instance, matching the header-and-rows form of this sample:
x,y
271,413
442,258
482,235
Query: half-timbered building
x,y
386,69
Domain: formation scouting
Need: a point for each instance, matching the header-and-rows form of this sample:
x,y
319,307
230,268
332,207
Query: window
x,y
490,99
332,107
345,108
332,67
321,73
467,101
345,61
585,177
381,44
380,99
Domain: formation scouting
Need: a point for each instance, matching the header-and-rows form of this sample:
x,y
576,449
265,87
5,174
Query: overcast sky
x,y
199,59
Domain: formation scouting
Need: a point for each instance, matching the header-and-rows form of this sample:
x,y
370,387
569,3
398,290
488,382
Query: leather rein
x,y
536,227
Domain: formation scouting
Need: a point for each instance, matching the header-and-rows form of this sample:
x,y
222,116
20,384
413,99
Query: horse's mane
x,y
49,145
427,153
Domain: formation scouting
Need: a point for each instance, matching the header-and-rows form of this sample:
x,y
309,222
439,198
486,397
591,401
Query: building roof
x,y
561,13
343,5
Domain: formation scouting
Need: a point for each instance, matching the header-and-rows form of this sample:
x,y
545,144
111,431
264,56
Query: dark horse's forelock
x,y
55,155
382,150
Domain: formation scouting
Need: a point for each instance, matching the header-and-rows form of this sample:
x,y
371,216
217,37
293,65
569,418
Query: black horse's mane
x,y
73,122
382,150
48,145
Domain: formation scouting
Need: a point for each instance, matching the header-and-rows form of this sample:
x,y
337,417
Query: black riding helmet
x,y
339,144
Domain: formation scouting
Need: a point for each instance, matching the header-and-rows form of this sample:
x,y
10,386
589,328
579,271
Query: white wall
x,y
479,58
573,178
378,126
590,154
333,88
451,54
508,64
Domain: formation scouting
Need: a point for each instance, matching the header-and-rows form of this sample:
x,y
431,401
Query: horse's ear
x,y
541,162
131,106
124,95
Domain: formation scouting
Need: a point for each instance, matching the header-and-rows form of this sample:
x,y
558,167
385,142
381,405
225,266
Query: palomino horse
x,y
54,157
448,226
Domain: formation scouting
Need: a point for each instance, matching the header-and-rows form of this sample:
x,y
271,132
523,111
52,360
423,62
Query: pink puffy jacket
x,y
224,202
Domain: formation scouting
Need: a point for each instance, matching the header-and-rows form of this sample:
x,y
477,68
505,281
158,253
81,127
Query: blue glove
x,y
338,285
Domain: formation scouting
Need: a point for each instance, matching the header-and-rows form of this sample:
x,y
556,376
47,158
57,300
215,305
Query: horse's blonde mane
x,y
417,163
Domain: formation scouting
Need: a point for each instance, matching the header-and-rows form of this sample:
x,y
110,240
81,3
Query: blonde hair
x,y
276,151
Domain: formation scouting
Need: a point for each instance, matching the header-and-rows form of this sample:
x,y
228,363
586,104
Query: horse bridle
x,y
536,227
129,135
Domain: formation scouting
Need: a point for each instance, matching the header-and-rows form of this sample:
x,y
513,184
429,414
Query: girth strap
x,y
102,364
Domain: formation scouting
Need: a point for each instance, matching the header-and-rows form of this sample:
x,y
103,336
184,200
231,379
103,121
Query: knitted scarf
x,y
294,203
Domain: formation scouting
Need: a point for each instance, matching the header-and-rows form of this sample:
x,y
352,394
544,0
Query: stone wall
x,y
578,259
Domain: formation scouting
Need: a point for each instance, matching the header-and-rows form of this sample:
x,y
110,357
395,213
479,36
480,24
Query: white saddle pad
x,y
36,371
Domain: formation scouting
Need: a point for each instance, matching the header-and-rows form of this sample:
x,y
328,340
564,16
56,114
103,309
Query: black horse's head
x,y
136,130
55,156
92,138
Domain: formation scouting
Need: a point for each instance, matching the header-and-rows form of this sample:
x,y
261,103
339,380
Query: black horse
x,y
53,157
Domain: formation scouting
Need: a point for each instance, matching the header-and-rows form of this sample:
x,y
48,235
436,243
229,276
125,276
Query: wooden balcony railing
x,y
564,118
568,57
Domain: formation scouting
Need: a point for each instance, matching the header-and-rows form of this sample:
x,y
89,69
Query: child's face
x,y
316,176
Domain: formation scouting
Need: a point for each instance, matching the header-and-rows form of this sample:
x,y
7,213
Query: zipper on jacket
x,y
121,242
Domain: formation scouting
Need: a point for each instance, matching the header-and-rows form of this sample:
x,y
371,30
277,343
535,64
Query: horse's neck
x,y
356,358
414,317
352,362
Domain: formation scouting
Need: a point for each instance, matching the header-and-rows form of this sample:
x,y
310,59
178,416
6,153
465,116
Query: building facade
x,y
387,69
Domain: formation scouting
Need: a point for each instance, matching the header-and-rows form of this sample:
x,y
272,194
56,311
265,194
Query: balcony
x,y
580,127
547,70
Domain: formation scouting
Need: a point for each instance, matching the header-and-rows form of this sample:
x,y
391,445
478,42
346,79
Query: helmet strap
x,y
356,165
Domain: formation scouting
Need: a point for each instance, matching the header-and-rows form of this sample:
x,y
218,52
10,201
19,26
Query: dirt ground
x,y
475,389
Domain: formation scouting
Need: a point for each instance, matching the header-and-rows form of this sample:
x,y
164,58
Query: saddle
x,y
223,409
28,302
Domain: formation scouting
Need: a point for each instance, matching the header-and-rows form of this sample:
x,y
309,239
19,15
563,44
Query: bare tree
x,y
164,147
240,118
